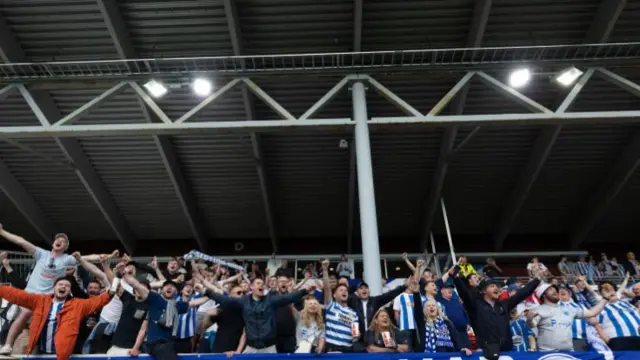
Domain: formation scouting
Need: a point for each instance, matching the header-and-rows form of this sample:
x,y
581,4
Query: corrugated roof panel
x,y
580,158
222,173
14,111
538,22
59,30
133,173
404,25
123,108
403,165
296,26
626,28
57,189
177,28
12,220
601,95
309,181
620,218
482,174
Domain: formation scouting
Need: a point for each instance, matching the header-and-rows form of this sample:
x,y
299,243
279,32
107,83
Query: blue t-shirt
x,y
157,308
46,270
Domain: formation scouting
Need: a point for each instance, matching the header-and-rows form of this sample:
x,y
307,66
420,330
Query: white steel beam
x,y
618,80
596,117
74,115
6,91
325,99
25,204
351,206
393,98
446,99
616,178
149,102
268,99
231,13
511,93
481,11
605,18
208,100
122,41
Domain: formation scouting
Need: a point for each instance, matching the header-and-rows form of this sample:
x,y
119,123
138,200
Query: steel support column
x,y
368,215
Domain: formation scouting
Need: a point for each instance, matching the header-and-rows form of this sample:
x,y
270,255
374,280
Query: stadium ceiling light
x,y
568,76
519,78
155,88
201,87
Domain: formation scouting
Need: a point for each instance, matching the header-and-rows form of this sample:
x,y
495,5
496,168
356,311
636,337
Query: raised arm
x,y
19,297
597,309
135,284
466,295
405,257
522,294
380,300
18,240
296,296
96,257
197,302
142,333
92,269
156,269
224,301
16,280
91,305
325,282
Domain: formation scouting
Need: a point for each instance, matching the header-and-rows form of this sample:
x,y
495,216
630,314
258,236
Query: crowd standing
x,y
201,304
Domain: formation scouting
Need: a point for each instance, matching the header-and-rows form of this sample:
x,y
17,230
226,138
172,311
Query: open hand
x,y
325,264
404,256
420,262
466,351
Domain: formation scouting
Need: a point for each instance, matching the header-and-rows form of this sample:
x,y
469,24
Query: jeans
x,y
163,350
109,328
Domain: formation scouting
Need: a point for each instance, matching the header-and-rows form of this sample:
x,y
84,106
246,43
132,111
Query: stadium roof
x,y
506,185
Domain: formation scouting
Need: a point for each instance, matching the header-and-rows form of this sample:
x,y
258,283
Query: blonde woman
x,y
436,333
310,331
383,337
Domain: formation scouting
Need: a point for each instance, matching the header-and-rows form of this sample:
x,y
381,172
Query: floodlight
x,y
519,78
568,76
201,87
155,88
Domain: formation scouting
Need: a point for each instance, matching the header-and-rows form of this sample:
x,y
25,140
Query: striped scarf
x,y
437,336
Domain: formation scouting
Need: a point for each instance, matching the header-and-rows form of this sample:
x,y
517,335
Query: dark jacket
x,y
455,312
456,337
628,267
374,303
491,323
259,316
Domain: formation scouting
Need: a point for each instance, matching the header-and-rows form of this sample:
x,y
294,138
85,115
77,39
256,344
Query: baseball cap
x,y
362,283
486,282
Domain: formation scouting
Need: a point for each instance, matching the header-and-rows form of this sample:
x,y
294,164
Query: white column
x,y
366,195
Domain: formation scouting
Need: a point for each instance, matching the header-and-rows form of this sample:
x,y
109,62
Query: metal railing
x,y
619,54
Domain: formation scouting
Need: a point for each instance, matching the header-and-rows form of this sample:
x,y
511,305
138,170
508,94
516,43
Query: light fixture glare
x,y
155,88
568,76
202,87
519,78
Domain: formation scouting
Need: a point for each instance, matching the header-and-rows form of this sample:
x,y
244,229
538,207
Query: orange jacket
x,y
73,312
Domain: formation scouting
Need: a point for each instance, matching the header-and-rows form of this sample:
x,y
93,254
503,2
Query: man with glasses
x,y
49,266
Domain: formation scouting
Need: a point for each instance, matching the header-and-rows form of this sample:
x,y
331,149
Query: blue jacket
x,y
455,312
259,316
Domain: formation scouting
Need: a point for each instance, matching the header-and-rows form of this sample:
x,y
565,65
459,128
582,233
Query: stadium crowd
x,y
202,304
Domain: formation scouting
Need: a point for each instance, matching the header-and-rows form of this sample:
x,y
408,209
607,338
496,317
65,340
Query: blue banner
x,y
620,355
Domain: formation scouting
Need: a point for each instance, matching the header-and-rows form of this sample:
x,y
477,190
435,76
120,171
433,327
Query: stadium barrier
x,y
621,355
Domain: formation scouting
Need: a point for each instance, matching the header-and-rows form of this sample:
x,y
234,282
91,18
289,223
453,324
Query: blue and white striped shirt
x,y
620,319
47,343
404,305
579,326
520,328
340,320
187,321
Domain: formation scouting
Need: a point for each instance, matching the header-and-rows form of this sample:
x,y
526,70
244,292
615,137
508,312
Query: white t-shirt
x,y
555,326
112,311
309,333
540,266
46,270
